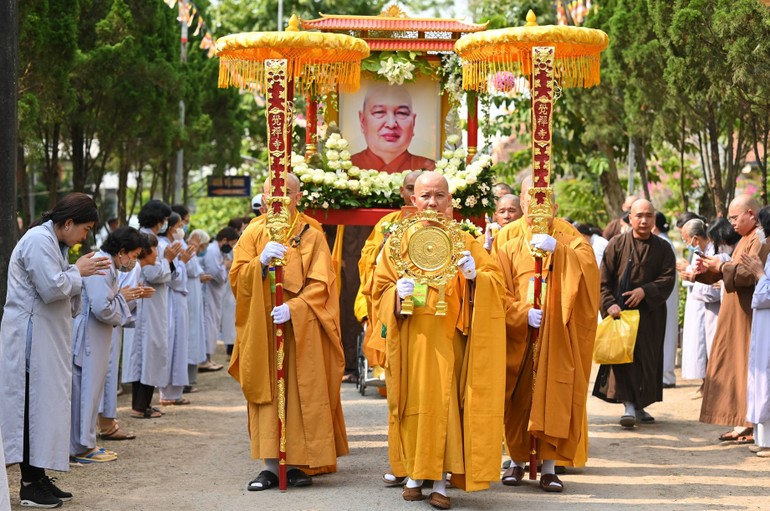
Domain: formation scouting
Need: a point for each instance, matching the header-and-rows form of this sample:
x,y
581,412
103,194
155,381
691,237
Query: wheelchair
x,y
365,376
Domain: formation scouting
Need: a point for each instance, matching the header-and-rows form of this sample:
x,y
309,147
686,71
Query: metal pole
x,y
9,86
178,179
280,15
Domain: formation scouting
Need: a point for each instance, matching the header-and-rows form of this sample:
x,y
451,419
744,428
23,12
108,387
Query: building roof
x,y
390,24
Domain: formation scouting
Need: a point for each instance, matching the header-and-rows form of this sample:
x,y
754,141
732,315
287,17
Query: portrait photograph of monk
x,y
392,128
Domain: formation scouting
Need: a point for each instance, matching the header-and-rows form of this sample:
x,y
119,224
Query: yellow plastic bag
x,y
616,338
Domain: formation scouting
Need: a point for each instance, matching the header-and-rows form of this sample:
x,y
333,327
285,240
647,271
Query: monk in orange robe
x,y
374,343
314,362
387,122
570,302
445,374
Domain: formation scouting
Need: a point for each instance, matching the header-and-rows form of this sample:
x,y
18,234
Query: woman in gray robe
x,y
196,351
175,377
146,360
36,345
214,290
104,308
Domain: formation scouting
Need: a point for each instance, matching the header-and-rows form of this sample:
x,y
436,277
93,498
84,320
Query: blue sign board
x,y
229,186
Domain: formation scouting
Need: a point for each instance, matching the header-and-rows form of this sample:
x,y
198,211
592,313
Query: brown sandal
x,y
412,494
150,413
116,433
175,402
513,476
551,483
439,501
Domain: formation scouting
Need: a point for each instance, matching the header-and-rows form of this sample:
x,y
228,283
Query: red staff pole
x,y
540,208
280,91
538,289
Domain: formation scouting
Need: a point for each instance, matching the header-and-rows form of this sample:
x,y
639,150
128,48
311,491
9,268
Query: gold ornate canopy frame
x,y
275,63
543,56
434,244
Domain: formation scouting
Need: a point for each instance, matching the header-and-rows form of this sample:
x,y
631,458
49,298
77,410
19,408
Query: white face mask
x,y
178,235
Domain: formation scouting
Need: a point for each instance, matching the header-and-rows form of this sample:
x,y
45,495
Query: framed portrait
x,y
387,124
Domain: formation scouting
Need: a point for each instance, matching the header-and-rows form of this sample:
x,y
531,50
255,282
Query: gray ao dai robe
x,y
653,269
104,309
213,294
196,352
758,397
700,323
147,360
36,338
109,406
178,321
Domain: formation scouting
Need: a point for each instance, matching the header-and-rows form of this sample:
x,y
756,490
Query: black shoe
x,y
55,490
669,385
38,494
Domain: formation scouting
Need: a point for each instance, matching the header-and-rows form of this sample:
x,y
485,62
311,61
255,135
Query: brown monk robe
x,y
646,287
724,389
366,159
314,360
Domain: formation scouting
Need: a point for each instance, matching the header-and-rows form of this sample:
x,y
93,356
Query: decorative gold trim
x,y
433,265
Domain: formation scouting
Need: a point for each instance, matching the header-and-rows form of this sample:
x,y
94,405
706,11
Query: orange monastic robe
x,y
446,374
374,343
366,159
314,359
557,415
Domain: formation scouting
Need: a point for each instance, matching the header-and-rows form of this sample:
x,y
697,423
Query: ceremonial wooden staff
x,y
541,54
273,63
279,122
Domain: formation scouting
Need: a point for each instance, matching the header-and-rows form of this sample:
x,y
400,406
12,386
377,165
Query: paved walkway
x,y
197,458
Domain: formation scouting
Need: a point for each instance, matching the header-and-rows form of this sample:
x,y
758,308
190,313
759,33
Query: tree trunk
x,y
613,191
51,144
682,171
641,164
717,192
9,132
79,169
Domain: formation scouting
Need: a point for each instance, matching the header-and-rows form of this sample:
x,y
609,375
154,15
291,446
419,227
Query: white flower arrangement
x,y
396,71
331,180
471,184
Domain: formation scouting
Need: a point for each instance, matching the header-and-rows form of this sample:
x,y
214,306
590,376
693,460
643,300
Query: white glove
x,y
281,314
543,242
535,318
467,265
488,234
273,250
404,287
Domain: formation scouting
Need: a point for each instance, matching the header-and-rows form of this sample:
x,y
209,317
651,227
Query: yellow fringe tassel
x,y
311,76
480,68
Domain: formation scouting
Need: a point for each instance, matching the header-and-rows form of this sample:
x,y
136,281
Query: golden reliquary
x,y
426,247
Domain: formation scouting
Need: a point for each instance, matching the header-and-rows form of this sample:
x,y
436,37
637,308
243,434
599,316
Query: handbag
x,y
616,338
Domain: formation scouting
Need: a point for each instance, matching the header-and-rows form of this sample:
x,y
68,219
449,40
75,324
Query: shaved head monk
x,y
725,386
638,272
387,121
443,412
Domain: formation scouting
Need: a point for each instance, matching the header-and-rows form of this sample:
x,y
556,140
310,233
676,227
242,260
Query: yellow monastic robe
x,y
366,159
314,360
557,414
446,374
374,343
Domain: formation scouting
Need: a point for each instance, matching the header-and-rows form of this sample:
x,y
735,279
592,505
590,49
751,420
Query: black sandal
x,y
265,480
297,478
